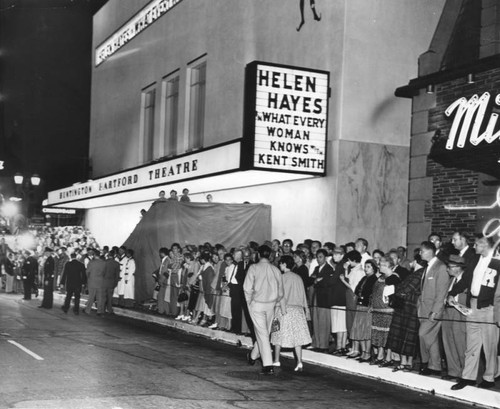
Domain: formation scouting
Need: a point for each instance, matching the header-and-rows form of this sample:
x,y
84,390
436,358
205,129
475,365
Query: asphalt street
x,y
49,359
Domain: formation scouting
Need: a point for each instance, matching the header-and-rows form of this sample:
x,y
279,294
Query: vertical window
x,y
171,89
148,129
197,105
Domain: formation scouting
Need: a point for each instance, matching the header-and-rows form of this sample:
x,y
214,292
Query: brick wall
x,y
451,185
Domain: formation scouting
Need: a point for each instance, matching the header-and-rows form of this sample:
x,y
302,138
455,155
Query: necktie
x,y
423,279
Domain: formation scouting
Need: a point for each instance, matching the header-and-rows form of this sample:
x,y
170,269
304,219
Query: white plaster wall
x,y
383,40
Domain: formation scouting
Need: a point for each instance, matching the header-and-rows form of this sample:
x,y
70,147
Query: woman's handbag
x,y
275,326
182,297
396,301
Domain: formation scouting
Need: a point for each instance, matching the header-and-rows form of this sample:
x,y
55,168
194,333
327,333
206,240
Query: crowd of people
x,y
441,309
380,308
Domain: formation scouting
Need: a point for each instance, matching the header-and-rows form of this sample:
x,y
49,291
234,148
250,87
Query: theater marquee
x,y
286,117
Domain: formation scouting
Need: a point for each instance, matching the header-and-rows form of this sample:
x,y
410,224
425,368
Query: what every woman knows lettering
x,y
291,119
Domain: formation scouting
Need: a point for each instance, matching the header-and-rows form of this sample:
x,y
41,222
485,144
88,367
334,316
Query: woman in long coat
x,y
129,277
403,333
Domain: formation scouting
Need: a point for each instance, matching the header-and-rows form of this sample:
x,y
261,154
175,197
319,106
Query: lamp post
x,y
26,187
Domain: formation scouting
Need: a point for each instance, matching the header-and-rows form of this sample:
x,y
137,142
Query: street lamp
x,y
25,188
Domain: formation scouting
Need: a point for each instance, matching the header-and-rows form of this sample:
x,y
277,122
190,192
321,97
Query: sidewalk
x,y
412,380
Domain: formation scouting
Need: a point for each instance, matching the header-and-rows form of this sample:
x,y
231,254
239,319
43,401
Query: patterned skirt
x,y
381,322
362,325
293,328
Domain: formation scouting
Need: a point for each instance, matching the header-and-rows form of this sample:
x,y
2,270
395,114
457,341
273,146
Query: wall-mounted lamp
x,y
470,78
430,89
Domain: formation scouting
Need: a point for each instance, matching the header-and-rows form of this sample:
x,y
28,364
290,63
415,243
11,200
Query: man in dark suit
x,y
435,285
481,334
241,273
110,281
29,271
324,280
48,279
235,283
73,278
460,241
453,325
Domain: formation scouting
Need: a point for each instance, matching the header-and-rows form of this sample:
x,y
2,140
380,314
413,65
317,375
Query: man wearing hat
x,y
48,279
453,325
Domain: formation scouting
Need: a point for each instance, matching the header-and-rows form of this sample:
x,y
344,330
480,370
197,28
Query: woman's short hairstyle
x,y
301,255
288,260
373,264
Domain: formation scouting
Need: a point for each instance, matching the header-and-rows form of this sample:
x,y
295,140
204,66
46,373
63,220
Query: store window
x,y
197,89
148,123
171,114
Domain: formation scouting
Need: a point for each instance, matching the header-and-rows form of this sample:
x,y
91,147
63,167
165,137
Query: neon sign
x,y
468,121
492,227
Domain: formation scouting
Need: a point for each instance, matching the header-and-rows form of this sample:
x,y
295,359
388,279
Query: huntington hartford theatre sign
x,y
286,115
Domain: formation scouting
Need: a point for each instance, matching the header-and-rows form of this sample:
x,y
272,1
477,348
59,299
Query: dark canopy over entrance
x,y
192,223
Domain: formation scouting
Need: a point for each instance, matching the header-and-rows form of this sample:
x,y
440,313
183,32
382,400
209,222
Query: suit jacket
x,y
324,288
111,274
435,285
496,304
30,268
241,273
487,291
48,268
95,273
73,275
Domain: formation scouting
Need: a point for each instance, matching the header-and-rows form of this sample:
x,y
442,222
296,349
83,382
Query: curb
x,y
434,386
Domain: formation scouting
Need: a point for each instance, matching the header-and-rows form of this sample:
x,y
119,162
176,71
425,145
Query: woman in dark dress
x,y
361,332
403,333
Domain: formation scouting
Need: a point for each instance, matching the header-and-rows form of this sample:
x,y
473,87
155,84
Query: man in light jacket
x,y
264,290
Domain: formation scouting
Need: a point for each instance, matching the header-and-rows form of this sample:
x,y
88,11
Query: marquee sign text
x,y
204,163
132,28
291,112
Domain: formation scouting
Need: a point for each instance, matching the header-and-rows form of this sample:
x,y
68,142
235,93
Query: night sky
x,y
45,72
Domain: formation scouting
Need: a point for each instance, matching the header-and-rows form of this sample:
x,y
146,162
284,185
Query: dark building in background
x,y
455,141
45,70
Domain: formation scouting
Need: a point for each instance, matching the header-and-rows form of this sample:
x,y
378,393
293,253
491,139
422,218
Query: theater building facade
x,y
256,101
455,147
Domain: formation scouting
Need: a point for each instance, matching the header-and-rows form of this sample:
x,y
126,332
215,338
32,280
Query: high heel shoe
x,y
353,355
276,364
299,367
250,360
